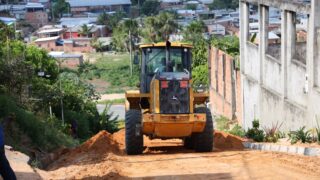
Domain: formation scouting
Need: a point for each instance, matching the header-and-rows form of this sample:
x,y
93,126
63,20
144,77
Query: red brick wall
x,y
68,47
37,19
221,91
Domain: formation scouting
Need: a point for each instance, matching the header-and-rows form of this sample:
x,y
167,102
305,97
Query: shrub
x,y
318,133
255,133
272,134
43,134
300,135
106,122
237,130
222,123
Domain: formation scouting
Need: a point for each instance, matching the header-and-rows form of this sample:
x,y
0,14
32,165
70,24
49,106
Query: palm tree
x,y
167,25
85,30
194,30
150,29
159,28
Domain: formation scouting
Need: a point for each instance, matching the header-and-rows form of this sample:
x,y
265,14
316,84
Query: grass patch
x,y
114,69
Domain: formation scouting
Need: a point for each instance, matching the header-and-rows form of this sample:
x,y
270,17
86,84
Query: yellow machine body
x,y
157,125
167,125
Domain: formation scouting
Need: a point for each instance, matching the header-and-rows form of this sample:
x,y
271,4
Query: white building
x,y
217,29
283,89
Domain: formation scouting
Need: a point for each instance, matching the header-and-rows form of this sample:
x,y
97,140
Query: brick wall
x,y
225,86
37,19
67,47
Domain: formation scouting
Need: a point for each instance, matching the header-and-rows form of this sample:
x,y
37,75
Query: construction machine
x,y
167,105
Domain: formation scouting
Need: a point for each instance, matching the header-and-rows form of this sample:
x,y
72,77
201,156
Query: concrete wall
x,y
278,87
272,74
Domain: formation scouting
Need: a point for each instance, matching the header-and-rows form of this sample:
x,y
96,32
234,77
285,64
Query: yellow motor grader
x,y
167,106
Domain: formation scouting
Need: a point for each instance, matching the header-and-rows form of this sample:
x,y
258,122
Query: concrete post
x,y
263,37
291,35
244,32
313,61
284,64
244,36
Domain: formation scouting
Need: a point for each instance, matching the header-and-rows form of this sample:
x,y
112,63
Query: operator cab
x,y
164,61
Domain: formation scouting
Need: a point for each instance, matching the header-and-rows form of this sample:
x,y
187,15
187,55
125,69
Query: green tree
x,y
194,31
136,2
150,29
111,20
224,4
20,63
229,44
60,7
120,37
200,73
167,25
158,28
150,7
191,6
6,32
98,45
85,30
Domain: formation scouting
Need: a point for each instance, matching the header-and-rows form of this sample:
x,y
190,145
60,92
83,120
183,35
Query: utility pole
x,y
130,53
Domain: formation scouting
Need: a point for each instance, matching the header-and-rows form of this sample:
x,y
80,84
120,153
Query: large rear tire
x,y
134,136
203,142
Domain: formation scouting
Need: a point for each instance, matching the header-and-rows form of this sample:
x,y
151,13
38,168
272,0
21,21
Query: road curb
x,y
306,151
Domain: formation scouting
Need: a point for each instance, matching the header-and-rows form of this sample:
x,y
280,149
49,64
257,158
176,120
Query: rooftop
x,y
34,5
47,39
70,22
50,31
81,3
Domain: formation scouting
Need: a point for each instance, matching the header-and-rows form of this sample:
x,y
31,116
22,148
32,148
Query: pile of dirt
x,y
104,143
224,140
100,143
119,137
95,148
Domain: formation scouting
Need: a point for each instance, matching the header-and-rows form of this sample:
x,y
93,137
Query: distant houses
x,y
68,39
36,14
98,6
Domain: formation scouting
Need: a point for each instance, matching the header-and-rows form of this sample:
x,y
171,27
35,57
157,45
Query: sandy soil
x,y
102,157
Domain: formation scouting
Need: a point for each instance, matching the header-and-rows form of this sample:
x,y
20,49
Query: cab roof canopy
x,y
163,44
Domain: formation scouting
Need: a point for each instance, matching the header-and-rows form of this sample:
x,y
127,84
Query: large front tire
x,y
204,141
134,136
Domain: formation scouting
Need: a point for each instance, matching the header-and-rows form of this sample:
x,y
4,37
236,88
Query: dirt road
x,y
102,157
